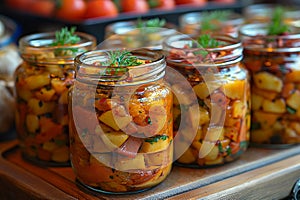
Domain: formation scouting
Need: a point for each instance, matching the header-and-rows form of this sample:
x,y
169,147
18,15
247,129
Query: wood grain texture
x,y
259,172
274,181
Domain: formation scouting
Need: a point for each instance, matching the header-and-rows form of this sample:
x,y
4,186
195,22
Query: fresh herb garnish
x,y
211,20
206,41
121,59
156,138
277,25
151,23
66,36
291,110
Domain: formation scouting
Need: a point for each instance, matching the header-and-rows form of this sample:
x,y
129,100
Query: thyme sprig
x,y
206,41
277,25
66,36
151,23
209,19
121,58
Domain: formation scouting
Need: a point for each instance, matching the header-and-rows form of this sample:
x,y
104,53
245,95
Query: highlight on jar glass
x,y
9,61
140,33
42,82
219,21
121,125
262,13
272,56
212,65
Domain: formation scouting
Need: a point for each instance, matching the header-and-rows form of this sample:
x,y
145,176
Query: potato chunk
x,y
277,106
114,121
234,89
294,100
267,81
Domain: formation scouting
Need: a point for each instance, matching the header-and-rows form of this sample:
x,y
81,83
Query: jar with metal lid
x,y
213,129
224,21
273,62
9,61
139,33
121,122
262,13
42,82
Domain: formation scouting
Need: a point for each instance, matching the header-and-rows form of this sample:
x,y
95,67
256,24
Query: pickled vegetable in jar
x,y
224,21
121,126
9,61
42,82
212,67
137,34
273,60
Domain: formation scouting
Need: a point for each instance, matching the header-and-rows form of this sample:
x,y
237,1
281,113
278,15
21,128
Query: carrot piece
x,y
49,130
287,89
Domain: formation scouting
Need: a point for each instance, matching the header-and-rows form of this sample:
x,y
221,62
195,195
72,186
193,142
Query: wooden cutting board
x,y
258,174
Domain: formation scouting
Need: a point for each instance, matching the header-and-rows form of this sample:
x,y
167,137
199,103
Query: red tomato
x,y
136,6
101,8
18,4
71,9
162,4
42,7
195,2
224,1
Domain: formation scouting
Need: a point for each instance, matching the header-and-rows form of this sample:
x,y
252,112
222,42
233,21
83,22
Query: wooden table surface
x,y
258,174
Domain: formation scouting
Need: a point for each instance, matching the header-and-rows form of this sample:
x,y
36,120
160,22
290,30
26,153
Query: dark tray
x,y
31,23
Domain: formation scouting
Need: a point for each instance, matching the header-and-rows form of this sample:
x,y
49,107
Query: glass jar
x,y
226,22
221,85
128,34
273,62
121,123
42,82
9,60
262,13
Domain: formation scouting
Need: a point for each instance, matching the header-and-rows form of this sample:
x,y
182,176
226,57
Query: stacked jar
x,y
262,13
224,21
9,61
121,134
136,34
42,82
273,61
214,128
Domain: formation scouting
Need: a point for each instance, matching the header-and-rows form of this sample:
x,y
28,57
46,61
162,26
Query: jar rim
x,y
129,26
85,67
39,43
34,41
234,18
232,43
292,11
258,31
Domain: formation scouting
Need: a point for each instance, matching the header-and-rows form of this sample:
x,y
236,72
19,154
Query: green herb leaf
x,y
277,25
156,138
151,23
65,36
121,59
206,41
291,110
